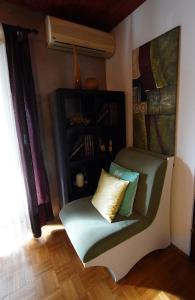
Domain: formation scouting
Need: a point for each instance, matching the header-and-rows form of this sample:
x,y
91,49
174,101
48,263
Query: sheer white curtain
x,y
14,218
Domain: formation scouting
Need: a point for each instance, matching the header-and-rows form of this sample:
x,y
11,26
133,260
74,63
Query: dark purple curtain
x,y
25,109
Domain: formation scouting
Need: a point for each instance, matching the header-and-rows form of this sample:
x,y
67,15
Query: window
x,y
14,218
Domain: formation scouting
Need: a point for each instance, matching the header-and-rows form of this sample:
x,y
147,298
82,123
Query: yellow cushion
x,y
109,195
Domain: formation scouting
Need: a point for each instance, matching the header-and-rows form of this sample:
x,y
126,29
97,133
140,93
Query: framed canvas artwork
x,y
155,73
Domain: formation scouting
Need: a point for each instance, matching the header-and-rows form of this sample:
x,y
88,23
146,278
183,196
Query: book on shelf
x,y
89,146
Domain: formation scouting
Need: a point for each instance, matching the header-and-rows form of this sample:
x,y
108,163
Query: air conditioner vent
x,y
61,35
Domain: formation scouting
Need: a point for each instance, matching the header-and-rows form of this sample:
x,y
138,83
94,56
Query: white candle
x,y
79,180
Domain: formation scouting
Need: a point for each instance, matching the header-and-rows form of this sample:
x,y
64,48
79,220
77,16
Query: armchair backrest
x,y
152,168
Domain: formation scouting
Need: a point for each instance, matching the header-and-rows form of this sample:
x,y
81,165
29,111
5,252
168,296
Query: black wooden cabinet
x,y
89,131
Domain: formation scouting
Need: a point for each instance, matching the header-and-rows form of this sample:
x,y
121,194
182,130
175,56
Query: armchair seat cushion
x,y
90,234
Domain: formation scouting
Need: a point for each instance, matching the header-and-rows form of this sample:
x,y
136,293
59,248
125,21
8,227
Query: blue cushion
x,y
125,174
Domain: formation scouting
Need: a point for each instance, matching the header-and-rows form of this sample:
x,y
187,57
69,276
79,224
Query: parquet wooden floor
x,y
49,269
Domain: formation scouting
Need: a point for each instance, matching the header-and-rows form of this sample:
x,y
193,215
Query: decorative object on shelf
x,y
110,145
91,83
102,146
79,120
76,66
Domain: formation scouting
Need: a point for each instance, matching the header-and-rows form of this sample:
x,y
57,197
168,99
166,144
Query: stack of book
x,y
89,146
83,148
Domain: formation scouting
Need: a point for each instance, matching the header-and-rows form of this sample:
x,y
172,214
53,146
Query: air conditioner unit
x,y
63,34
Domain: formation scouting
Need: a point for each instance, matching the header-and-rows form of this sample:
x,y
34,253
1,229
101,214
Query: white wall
x,y
118,70
150,20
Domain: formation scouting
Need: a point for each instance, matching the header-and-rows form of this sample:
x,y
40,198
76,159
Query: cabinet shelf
x,y
80,127
78,144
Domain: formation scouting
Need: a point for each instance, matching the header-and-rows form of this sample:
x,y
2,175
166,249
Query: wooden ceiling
x,y
100,14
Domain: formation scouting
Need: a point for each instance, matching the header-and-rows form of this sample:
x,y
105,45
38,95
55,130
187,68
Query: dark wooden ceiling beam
x,y
102,14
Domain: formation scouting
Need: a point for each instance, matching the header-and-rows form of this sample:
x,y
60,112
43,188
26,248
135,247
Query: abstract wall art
x,y
155,73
